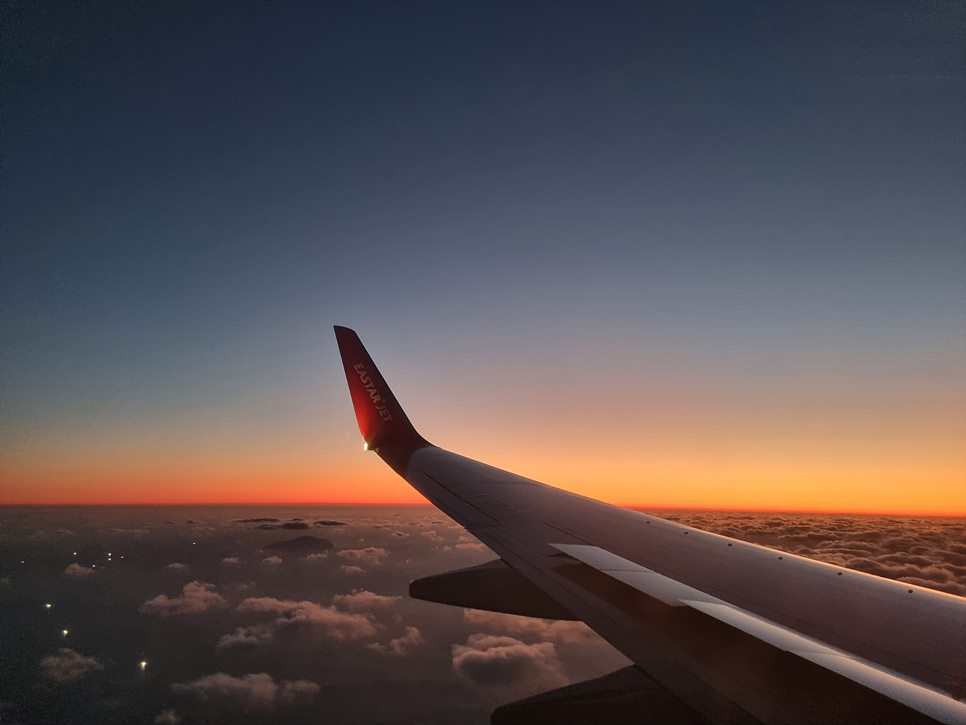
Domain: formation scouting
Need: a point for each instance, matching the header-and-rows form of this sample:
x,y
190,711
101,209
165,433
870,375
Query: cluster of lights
x,y
142,665
110,557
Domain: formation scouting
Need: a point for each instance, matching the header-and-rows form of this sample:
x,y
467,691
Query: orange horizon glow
x,y
383,487
667,442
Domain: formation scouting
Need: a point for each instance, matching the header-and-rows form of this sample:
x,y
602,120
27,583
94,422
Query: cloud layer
x,y
930,552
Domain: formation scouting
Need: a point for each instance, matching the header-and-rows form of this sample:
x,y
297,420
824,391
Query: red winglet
x,y
381,419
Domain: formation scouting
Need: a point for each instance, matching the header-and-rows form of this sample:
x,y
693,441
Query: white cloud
x,y
362,600
297,692
507,665
76,571
178,568
400,646
231,561
196,597
252,636
369,555
328,622
167,717
272,561
66,665
248,692
351,569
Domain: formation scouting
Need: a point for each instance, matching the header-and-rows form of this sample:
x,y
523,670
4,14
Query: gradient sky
x,y
682,253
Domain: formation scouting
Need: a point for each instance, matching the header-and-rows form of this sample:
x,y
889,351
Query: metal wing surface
x,y
736,631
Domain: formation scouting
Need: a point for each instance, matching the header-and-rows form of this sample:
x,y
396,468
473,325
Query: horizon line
x,y
663,507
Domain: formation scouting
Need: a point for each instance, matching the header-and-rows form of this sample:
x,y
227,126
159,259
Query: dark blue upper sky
x,y
193,192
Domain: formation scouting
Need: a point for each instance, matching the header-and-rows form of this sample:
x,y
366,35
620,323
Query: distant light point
x,y
143,665
48,605
64,632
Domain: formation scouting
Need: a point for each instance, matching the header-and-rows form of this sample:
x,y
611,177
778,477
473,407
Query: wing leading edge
x,y
717,621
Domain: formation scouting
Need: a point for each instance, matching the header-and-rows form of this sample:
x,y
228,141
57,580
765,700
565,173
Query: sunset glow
x,y
813,468
589,247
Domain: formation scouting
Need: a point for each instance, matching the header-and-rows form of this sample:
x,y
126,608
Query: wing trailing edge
x,y
915,695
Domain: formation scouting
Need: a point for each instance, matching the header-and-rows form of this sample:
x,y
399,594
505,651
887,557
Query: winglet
x,y
381,419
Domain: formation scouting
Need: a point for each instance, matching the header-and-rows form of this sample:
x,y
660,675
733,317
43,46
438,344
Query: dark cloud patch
x,y
300,545
258,520
329,522
292,525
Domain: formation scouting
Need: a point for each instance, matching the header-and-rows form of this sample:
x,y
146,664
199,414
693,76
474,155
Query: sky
x,y
662,254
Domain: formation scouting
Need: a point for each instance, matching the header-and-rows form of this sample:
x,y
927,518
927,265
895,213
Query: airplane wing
x,y
735,631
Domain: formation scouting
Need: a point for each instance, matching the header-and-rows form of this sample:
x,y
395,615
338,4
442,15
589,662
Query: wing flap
x,y
494,586
663,588
915,695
